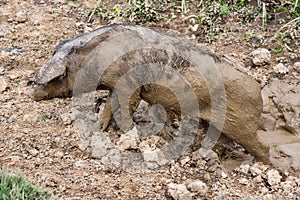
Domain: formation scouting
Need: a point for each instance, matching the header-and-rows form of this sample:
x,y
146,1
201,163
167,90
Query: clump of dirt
x,y
35,142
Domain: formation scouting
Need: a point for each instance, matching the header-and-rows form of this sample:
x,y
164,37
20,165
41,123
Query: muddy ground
x,y
36,143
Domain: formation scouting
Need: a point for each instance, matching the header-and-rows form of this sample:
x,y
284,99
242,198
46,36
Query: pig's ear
x,y
52,69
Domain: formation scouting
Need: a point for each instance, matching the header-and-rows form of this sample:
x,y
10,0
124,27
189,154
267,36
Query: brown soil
x,y
35,142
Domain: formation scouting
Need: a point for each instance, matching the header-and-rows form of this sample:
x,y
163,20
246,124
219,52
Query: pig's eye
x,y
73,50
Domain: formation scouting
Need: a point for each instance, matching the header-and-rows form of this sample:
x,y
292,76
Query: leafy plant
x,y
224,10
249,35
277,50
13,186
142,12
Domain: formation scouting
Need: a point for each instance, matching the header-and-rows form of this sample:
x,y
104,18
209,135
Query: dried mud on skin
x,y
36,143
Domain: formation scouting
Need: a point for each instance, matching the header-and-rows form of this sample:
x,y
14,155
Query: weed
x,y
142,12
264,16
184,6
43,117
224,10
13,186
249,35
277,50
49,39
94,10
255,46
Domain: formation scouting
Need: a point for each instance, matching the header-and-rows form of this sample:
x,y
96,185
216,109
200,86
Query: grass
x,y
15,187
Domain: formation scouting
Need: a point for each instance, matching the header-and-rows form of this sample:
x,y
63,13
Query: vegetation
x,y
211,15
14,187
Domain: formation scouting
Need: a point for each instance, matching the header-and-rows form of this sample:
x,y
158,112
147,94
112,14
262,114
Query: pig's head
x,y
51,80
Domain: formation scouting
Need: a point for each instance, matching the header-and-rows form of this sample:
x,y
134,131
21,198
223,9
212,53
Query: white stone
x,y
149,144
196,186
21,17
179,191
195,27
33,152
255,171
155,156
264,190
185,160
260,56
297,66
66,118
273,177
79,163
245,168
280,69
59,154
1,68
31,117
224,175
129,140
258,179
243,181
298,191
3,84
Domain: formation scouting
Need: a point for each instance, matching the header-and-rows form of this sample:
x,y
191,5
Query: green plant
x,y
295,2
43,117
14,187
249,35
264,16
49,39
94,10
255,46
277,50
224,9
184,6
142,11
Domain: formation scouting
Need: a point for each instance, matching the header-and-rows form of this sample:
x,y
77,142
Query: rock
x,y
59,154
207,177
286,156
21,17
3,84
184,160
297,66
13,76
243,181
155,157
273,177
224,175
31,117
260,56
34,152
209,155
255,171
298,191
284,148
141,114
281,106
280,69
129,140
196,186
79,163
244,169
66,118
179,191
195,27
258,179
149,144
2,70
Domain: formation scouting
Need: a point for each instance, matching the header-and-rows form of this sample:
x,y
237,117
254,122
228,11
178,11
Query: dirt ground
x,y
36,143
